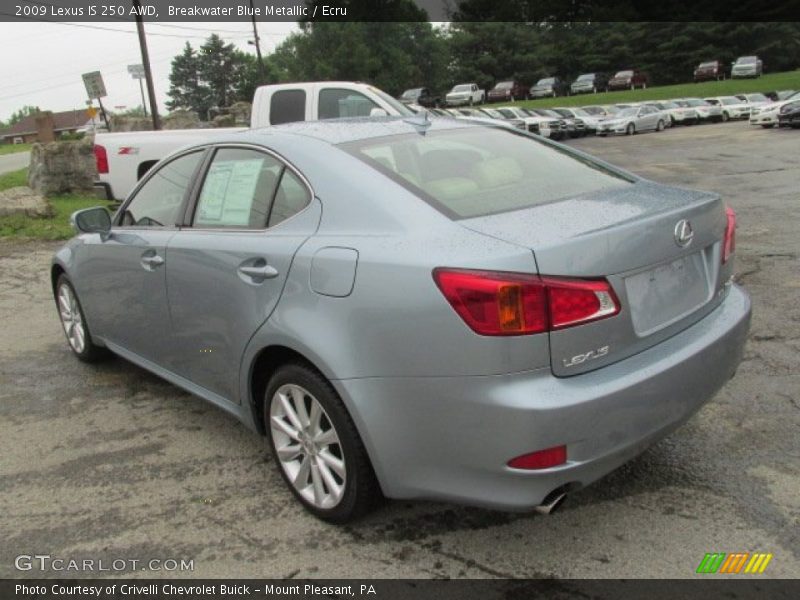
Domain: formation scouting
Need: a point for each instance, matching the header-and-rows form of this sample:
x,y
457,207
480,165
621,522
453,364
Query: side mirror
x,y
378,112
91,220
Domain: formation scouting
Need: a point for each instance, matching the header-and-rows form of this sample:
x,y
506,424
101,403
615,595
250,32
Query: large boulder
x,y
24,201
241,112
181,119
62,167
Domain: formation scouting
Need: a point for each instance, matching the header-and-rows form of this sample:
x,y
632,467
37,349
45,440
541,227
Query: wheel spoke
x,y
326,438
301,478
299,400
289,452
333,486
288,409
279,423
316,482
336,464
314,418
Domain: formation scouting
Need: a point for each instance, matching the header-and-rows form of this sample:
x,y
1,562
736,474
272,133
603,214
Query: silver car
x,y
632,120
415,308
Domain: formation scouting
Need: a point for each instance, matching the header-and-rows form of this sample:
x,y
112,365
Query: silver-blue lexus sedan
x,y
415,308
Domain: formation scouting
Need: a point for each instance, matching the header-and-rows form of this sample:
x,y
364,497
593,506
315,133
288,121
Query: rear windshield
x,y
480,171
504,85
546,81
586,77
746,60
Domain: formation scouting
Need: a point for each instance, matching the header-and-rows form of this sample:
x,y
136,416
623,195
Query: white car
x,y
676,115
706,112
632,120
534,123
766,115
755,100
732,107
465,94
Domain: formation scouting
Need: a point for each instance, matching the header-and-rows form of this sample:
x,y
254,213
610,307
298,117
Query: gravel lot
x,y
111,462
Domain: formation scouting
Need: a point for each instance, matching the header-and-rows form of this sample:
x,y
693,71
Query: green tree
x,y
23,112
393,56
184,79
214,76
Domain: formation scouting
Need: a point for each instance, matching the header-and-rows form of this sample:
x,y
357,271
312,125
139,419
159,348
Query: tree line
x,y
396,56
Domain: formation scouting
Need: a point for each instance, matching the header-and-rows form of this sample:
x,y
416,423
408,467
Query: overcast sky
x,y
41,63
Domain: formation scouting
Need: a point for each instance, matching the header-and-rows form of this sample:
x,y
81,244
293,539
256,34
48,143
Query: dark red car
x,y
508,91
629,79
710,70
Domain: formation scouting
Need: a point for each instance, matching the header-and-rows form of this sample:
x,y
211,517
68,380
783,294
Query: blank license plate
x,y
663,295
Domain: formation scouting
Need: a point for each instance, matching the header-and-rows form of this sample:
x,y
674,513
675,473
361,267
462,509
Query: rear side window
x,y
479,171
287,106
291,197
238,189
335,103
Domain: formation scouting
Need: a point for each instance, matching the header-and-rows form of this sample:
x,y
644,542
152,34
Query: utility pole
x,y
261,71
146,63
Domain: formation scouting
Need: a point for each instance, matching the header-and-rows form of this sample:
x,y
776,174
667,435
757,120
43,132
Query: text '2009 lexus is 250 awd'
x,y
414,308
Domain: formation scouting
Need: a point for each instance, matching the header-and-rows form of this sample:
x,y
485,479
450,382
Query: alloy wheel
x,y
307,446
71,319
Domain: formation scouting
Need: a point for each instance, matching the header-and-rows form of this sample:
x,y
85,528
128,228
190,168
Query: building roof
x,y
69,119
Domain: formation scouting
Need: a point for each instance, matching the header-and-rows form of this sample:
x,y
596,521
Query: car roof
x,y
340,131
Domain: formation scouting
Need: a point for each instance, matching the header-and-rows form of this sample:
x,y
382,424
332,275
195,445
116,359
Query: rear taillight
x,y
500,303
100,158
729,243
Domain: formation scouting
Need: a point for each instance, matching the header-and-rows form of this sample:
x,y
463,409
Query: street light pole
x,y
146,63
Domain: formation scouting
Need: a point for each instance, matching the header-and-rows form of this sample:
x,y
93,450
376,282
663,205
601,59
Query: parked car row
x,y
511,90
629,118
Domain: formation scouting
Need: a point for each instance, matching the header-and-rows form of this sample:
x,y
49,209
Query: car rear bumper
x,y
450,438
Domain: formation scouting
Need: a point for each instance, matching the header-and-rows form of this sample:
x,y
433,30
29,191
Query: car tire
x,y
74,323
660,126
725,117
630,129
644,85
345,471
633,87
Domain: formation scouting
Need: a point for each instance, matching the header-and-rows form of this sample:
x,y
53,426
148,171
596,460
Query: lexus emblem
x,y
683,233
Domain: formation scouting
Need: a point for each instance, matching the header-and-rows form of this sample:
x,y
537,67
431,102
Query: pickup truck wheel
x,y
470,101
316,445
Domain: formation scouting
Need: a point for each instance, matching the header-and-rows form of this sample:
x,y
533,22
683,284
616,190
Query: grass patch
x,y
14,148
13,179
52,228
767,83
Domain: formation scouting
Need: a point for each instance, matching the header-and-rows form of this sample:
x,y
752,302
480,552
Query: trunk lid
x,y
629,237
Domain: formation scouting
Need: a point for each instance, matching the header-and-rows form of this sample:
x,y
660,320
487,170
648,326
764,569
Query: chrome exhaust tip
x,y
551,503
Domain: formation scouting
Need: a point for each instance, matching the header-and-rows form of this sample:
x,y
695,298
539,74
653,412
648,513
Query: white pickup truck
x,y
465,93
123,158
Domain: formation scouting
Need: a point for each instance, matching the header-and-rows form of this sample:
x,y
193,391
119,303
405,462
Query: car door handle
x,y
152,261
259,273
